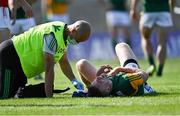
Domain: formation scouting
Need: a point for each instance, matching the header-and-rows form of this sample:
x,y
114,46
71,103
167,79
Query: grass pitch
x,y
166,102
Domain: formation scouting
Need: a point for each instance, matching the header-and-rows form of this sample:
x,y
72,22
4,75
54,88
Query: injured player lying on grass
x,y
125,80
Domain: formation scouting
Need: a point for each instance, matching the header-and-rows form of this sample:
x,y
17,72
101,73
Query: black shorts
x,y
11,74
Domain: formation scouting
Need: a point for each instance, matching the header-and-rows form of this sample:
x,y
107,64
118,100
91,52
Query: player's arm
x,y
144,75
133,12
127,5
116,70
14,4
138,72
12,7
26,7
172,4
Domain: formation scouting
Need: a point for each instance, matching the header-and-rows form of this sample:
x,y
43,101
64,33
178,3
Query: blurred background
x,y
99,46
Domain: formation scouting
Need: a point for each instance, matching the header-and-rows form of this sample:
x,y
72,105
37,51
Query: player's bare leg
x,y
161,49
86,71
124,53
147,48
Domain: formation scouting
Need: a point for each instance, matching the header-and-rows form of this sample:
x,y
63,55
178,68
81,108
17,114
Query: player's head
x,y
78,31
100,87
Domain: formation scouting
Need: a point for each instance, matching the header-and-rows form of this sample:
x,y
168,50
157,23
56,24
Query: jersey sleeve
x,y
135,80
50,44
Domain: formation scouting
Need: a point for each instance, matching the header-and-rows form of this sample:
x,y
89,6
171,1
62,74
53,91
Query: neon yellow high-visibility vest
x,y
29,47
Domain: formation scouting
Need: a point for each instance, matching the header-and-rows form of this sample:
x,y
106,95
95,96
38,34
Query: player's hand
x,y
27,8
13,15
28,11
104,70
78,85
12,7
134,15
143,74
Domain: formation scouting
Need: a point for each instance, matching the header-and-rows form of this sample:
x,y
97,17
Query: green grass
x,y
167,101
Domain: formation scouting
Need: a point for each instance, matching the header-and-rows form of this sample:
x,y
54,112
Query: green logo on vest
x,y
57,28
61,50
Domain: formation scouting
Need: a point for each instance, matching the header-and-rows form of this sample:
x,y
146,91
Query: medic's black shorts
x,y
11,74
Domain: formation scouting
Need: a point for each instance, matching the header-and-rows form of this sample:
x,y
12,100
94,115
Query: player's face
x,y
104,84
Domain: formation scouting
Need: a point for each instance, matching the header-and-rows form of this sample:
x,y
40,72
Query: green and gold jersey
x,y
156,6
129,84
118,5
29,46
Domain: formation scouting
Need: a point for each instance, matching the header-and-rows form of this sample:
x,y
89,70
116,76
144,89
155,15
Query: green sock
x,y
151,60
160,69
